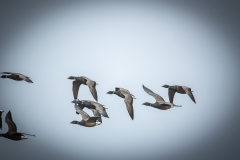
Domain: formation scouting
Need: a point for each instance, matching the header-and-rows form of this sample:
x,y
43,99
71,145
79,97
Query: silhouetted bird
x,y
179,89
12,130
128,99
1,111
16,76
160,103
86,121
97,108
83,80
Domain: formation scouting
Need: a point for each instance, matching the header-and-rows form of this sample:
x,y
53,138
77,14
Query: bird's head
x,y
146,104
165,86
71,77
74,122
110,92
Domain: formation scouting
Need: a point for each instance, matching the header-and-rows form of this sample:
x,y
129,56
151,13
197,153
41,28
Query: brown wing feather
x,y
171,94
0,120
25,78
151,93
191,96
129,101
75,87
11,125
6,73
92,84
189,92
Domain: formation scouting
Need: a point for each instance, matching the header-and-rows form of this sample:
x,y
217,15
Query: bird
x,y
86,81
160,102
86,121
97,108
179,89
1,111
12,130
128,99
88,105
16,76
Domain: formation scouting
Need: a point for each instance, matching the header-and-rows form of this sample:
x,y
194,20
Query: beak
x,y
96,83
105,107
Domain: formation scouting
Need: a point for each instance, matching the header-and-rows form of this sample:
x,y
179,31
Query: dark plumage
x,y
1,111
128,99
86,121
12,130
86,81
179,89
16,76
160,103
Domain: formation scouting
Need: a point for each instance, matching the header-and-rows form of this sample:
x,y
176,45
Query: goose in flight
x,y
179,89
86,121
12,130
1,111
128,99
160,103
86,81
97,108
16,76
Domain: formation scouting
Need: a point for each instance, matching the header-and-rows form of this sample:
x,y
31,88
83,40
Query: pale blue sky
x,y
119,44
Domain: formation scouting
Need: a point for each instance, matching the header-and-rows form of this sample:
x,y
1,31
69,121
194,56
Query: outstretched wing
x,y
6,73
92,87
11,125
84,115
100,109
23,77
171,94
151,93
0,120
97,114
189,92
128,101
75,87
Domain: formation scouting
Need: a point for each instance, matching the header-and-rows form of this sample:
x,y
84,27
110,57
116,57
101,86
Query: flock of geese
x,y
98,109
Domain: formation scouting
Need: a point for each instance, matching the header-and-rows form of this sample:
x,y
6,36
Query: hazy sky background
x,y
121,44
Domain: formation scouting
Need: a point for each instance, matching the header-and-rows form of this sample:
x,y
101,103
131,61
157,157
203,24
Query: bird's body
x,y
1,111
160,102
16,76
179,89
86,81
128,99
86,121
12,130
